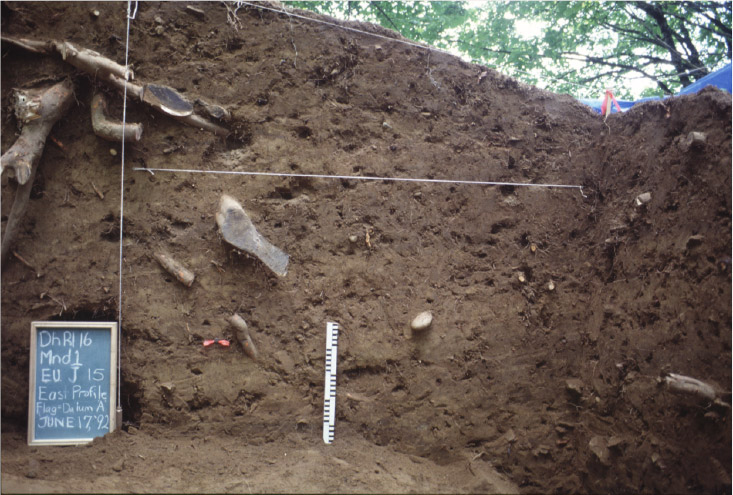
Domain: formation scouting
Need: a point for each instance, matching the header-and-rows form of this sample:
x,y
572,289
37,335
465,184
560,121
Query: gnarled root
x,y
109,129
110,72
38,110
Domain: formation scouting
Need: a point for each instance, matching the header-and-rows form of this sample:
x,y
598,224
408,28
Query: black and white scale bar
x,y
329,398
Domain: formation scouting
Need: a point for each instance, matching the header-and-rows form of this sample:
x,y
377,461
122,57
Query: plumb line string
x,y
130,16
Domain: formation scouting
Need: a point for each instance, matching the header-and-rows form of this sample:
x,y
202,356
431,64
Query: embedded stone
x,y
422,321
599,448
574,387
643,198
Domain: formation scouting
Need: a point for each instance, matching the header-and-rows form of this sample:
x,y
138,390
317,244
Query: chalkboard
x,y
73,382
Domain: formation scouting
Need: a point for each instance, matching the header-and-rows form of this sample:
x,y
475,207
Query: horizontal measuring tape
x,y
329,397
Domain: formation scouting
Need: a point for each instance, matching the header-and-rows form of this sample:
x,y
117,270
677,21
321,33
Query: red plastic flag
x,y
606,105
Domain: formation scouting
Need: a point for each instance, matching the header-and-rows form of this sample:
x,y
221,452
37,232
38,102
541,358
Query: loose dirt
x,y
516,386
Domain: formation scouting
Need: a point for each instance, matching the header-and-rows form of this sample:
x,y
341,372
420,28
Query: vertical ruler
x,y
329,398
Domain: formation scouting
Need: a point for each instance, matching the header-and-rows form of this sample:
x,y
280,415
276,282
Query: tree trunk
x,y
655,12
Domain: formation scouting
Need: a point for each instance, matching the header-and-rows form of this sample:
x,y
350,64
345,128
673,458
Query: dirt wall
x,y
556,313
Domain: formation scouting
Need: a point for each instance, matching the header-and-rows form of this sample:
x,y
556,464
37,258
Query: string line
x,y
122,209
361,177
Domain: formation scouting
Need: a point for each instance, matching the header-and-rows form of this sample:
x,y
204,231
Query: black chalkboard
x,y
73,382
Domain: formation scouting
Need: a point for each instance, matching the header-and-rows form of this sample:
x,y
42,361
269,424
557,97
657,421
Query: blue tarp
x,y
721,78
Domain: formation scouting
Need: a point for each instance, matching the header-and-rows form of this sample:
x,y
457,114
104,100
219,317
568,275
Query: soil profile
x,y
557,312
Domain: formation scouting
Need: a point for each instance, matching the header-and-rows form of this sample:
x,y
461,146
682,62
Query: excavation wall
x,y
557,312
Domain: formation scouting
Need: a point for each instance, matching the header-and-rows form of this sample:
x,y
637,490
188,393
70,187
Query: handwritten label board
x,y
73,382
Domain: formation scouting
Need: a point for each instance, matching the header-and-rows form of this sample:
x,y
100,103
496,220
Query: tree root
x,y
81,58
108,129
686,385
38,110
182,274
109,72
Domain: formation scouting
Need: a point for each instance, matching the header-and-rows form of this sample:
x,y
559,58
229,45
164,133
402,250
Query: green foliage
x,y
581,48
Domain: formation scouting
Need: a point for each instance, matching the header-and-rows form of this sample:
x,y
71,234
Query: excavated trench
x,y
556,314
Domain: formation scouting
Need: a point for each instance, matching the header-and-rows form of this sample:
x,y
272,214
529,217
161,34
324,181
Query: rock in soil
x,y
422,321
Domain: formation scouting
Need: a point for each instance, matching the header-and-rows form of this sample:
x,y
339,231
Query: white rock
x,y
695,139
643,198
168,387
422,321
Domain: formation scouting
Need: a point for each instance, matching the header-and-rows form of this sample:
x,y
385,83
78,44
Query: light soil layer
x,y
480,401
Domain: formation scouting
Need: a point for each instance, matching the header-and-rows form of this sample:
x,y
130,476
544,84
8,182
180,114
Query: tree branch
x,y
667,42
638,35
379,9
694,57
710,7
726,32
625,67
651,58
723,30
599,76
655,12
641,21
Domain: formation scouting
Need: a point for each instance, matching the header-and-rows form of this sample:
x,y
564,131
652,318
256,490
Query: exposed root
x,y
109,72
109,129
681,384
38,111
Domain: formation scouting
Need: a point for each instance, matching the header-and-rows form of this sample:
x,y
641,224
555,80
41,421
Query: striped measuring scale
x,y
329,398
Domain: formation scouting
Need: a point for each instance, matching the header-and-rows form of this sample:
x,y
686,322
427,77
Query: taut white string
x,y
361,177
122,208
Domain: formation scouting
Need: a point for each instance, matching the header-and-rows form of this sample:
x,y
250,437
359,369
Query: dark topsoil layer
x,y
480,401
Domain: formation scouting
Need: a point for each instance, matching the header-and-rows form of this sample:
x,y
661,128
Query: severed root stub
x,y
182,274
685,385
242,331
238,230
109,129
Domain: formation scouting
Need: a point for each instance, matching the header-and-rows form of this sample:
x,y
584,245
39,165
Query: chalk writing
x,y
71,397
